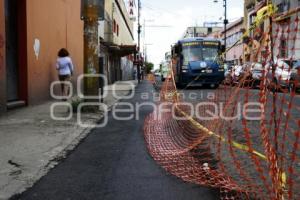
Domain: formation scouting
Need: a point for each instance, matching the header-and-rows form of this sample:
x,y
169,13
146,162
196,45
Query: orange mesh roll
x,y
245,158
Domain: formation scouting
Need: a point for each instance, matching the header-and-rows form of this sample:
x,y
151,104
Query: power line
x,y
159,26
161,10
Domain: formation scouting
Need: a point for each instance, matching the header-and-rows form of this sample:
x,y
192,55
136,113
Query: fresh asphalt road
x,y
113,163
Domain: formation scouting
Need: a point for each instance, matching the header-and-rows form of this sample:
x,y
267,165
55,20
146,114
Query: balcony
x,y
106,29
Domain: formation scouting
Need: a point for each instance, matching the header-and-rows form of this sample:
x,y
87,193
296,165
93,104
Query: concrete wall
x,y
127,69
56,24
2,59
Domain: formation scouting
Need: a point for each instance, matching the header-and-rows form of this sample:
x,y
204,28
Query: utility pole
x,y
139,42
144,39
91,61
225,27
225,24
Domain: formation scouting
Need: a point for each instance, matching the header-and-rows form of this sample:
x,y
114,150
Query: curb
x,y
63,154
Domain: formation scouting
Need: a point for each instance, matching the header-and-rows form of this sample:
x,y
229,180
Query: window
x,y
283,7
117,29
114,26
283,48
209,30
252,19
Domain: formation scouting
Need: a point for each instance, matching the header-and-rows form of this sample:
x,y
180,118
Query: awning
x,y
125,50
120,50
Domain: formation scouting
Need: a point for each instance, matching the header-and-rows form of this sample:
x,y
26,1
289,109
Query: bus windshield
x,y
199,53
210,53
192,53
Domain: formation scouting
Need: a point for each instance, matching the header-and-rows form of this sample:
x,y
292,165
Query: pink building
x,y
234,41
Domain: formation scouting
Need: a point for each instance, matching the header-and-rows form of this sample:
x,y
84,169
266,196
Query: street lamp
x,y
225,23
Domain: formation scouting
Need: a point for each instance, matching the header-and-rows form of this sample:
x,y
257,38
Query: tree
x,y
149,67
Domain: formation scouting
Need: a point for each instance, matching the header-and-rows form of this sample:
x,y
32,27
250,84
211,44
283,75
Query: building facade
x,y
31,33
199,31
283,29
287,29
252,42
117,42
234,43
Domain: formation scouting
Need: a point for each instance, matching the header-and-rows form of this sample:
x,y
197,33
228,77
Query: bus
x,y
196,62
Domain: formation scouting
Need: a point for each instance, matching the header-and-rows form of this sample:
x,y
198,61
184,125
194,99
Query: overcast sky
x,y
179,14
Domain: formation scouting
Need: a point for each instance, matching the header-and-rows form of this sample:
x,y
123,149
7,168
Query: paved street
x,y
113,163
149,100
235,128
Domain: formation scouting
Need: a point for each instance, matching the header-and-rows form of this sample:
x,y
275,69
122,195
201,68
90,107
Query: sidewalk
x,y
32,142
113,163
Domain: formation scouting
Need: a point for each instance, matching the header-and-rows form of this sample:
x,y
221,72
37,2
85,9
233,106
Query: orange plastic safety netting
x,y
244,137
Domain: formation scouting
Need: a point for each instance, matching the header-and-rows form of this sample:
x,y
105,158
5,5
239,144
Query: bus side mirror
x,y
177,49
181,56
223,49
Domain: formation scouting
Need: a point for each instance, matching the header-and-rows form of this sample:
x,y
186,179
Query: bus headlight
x,y
221,69
184,71
203,64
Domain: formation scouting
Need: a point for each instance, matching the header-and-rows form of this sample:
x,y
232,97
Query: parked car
x,y
294,82
282,72
256,72
286,74
239,73
228,75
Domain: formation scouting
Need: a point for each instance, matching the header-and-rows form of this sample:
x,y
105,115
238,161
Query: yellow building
x,y
253,41
116,33
285,19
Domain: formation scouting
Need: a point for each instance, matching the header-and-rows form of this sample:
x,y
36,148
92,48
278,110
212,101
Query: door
x,y
12,71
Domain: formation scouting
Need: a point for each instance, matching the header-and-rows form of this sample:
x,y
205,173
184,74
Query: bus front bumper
x,y
203,79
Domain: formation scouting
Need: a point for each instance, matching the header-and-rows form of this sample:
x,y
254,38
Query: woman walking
x,y
65,70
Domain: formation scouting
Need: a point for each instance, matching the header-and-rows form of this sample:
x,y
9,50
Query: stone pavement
x,y
31,142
